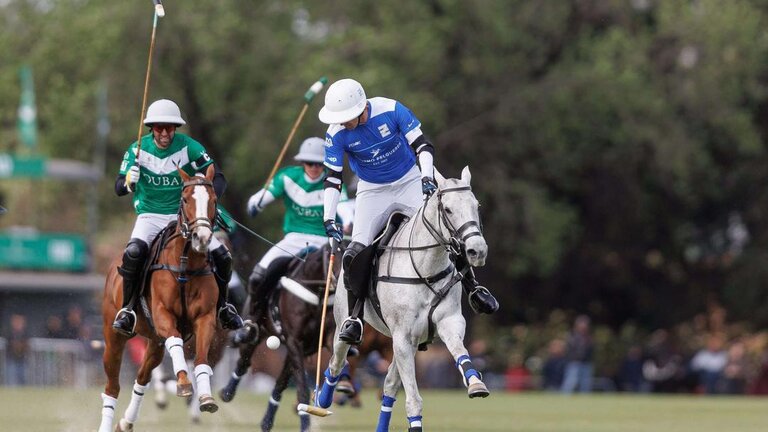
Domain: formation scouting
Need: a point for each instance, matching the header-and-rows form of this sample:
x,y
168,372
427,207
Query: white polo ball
x,y
273,342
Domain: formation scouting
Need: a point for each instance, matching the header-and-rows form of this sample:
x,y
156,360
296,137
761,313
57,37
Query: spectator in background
x,y
709,363
553,371
630,376
663,369
734,379
18,348
54,327
579,352
73,323
517,376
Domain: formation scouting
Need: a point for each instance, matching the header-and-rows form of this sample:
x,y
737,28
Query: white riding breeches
x,y
148,225
292,243
375,202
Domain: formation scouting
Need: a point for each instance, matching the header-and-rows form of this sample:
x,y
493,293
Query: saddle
x,y
363,270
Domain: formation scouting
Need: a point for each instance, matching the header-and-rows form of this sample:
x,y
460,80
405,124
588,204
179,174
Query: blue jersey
x,y
379,150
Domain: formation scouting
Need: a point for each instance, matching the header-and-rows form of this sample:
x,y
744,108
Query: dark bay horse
x,y
179,301
293,315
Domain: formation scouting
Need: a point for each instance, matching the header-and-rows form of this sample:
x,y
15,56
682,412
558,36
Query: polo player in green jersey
x,y
156,186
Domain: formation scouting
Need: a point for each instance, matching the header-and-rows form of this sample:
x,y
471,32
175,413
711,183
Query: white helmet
x,y
164,111
344,100
311,150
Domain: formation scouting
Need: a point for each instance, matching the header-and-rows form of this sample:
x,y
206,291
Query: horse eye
x,y
447,210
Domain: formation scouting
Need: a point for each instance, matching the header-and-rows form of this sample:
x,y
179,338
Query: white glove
x,y
253,204
132,177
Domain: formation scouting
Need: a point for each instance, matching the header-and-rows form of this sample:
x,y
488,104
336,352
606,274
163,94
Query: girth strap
x,y
439,296
415,280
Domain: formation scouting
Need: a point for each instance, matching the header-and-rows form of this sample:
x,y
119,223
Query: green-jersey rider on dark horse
x,y
156,186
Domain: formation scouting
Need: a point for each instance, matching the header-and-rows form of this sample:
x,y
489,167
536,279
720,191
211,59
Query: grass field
x,y
64,410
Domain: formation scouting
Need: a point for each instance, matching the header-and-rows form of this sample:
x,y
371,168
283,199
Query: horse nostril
x,y
472,253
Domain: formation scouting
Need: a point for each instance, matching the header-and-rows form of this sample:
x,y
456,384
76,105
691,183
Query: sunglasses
x,y
313,164
159,128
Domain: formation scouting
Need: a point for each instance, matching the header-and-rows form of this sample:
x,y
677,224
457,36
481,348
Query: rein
x,y
184,228
453,245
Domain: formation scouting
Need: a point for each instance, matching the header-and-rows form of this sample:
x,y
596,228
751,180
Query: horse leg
x,y
337,366
205,328
112,359
451,332
277,394
405,351
338,361
158,385
391,386
152,358
243,364
296,359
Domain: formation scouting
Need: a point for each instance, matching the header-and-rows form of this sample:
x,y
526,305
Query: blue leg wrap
x,y
467,369
386,413
414,424
325,398
269,416
304,419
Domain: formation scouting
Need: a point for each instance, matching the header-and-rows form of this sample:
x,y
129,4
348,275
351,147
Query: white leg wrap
x,y
175,347
203,374
132,412
107,412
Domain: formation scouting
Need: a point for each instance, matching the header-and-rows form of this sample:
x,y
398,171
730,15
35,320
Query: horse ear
x,y
466,176
439,177
183,174
210,172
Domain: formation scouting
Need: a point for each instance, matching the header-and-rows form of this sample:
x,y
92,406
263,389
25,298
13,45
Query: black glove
x,y
428,186
333,231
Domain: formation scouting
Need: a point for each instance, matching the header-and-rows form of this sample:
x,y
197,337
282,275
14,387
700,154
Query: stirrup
x,y
352,331
248,333
229,318
482,301
119,325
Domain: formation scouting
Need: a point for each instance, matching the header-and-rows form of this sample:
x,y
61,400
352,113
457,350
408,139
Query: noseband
x,y
186,226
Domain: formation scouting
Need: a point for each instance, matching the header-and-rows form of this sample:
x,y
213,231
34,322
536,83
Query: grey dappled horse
x,y
419,291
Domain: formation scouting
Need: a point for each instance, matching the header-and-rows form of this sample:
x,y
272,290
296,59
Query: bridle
x,y
454,244
186,226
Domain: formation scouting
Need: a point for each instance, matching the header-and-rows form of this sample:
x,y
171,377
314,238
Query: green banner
x,y
15,166
33,251
27,123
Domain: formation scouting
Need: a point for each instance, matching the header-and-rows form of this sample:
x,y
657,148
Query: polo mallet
x,y
159,12
314,409
308,96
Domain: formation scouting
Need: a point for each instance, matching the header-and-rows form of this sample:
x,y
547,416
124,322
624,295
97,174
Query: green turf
x,y
64,410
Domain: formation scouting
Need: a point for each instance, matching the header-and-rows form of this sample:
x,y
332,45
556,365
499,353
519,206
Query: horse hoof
x,y
346,387
208,404
184,390
123,426
477,389
228,392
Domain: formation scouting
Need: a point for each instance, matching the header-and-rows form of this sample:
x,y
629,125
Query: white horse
x,y
419,291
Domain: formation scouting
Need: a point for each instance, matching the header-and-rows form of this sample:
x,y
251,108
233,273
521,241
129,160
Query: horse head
x,y
198,208
458,210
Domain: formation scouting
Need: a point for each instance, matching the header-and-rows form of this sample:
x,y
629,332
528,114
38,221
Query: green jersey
x,y
159,188
303,201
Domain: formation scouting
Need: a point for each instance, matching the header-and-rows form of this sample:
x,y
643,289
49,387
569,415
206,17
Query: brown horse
x,y
179,301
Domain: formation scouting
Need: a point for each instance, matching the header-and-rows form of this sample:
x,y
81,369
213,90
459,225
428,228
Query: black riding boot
x,y
133,260
351,330
255,306
222,261
480,299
